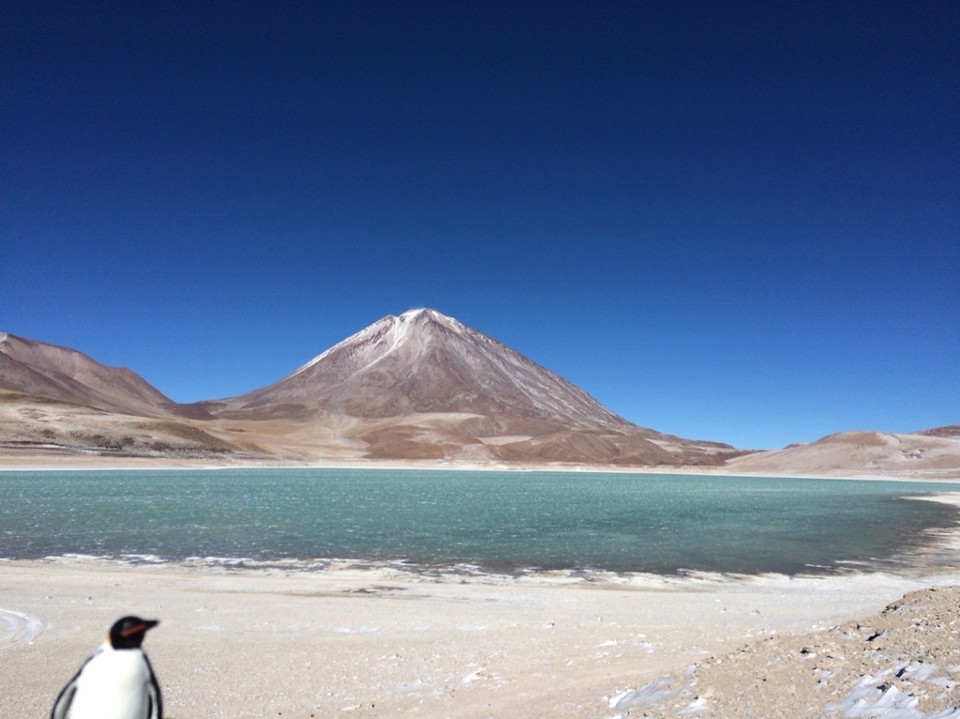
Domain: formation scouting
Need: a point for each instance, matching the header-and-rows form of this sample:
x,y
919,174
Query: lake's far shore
x,y
75,462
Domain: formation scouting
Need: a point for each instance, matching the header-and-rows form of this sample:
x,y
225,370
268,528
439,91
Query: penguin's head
x,y
128,632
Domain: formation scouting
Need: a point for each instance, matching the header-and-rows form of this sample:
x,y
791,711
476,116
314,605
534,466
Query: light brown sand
x,y
383,642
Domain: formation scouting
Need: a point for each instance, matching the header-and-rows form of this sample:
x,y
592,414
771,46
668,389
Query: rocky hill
x,y
65,375
928,454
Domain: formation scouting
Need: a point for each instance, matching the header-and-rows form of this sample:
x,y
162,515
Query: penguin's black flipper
x,y
153,694
64,699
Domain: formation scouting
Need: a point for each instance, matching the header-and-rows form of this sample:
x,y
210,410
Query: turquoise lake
x,y
496,521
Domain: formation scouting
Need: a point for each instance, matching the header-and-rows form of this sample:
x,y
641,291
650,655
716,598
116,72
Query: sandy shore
x,y
385,642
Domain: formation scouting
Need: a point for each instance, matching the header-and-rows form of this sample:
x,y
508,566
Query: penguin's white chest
x,y
112,685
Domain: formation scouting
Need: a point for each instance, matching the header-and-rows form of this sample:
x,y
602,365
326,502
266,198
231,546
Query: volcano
x,y
424,361
424,385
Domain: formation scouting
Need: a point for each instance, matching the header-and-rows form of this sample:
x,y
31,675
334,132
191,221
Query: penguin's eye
x,y
129,629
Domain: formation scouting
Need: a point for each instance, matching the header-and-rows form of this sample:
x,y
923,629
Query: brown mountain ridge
x,y
420,385
417,386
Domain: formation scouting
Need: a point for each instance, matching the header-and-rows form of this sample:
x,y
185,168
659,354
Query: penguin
x,y
116,682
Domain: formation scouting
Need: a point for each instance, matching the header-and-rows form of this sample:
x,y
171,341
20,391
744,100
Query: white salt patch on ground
x,y
695,707
17,628
472,677
412,686
872,697
919,670
649,694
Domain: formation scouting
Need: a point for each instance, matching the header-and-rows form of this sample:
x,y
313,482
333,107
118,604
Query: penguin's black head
x,y
128,632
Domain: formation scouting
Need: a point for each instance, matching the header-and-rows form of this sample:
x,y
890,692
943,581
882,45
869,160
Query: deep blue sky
x,y
730,221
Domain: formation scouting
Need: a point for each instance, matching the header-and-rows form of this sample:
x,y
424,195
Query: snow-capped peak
x,y
398,326
427,361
